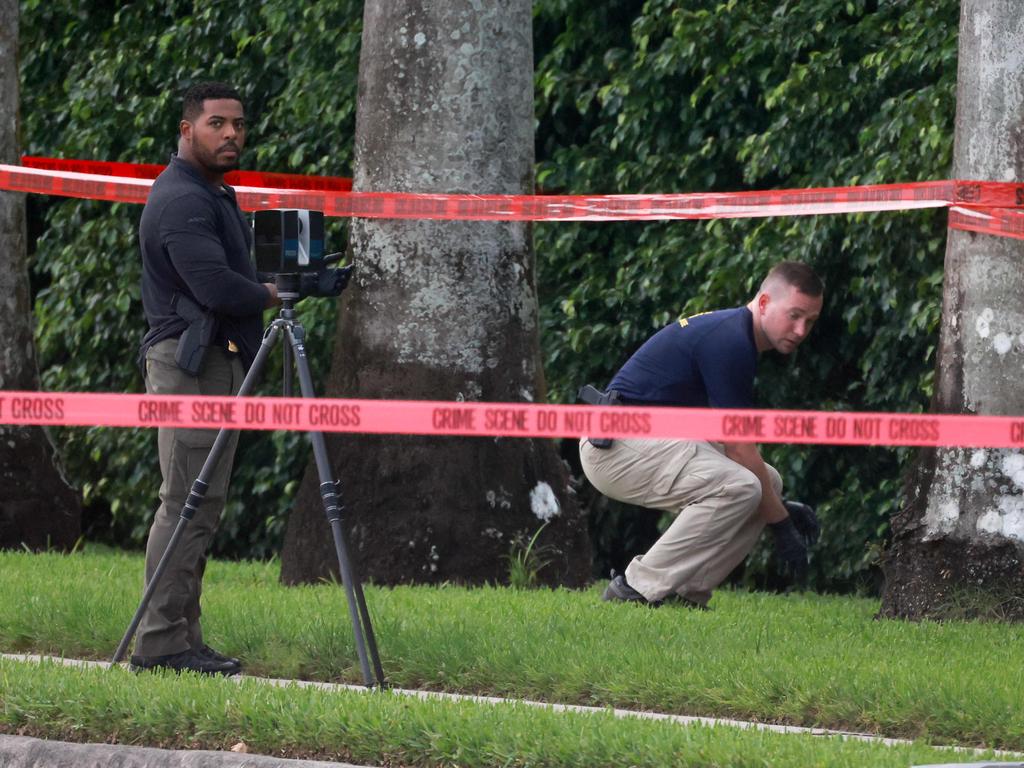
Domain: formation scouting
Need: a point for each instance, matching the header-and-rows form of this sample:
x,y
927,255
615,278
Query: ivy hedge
x,y
655,96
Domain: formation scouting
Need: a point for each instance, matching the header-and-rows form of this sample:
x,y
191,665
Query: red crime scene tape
x,y
508,419
989,221
152,170
980,196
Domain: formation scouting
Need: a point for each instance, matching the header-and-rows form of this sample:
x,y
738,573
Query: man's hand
x,y
790,549
272,299
325,283
805,520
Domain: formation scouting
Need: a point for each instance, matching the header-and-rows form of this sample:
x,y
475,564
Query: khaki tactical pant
x,y
171,622
714,500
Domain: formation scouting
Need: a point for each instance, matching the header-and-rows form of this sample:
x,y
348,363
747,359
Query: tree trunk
x,y
958,544
443,311
37,508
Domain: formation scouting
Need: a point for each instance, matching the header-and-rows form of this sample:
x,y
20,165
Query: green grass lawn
x,y
384,729
805,660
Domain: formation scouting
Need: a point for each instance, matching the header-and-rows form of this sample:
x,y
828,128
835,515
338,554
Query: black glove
x,y
805,520
790,549
325,283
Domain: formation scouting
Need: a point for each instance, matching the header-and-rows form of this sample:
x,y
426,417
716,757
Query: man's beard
x,y
213,163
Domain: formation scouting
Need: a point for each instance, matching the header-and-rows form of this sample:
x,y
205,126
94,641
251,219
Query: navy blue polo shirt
x,y
196,241
708,360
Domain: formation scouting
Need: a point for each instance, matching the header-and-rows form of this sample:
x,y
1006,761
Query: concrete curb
x,y
26,752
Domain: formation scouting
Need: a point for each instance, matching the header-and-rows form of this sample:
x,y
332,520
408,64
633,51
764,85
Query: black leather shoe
x,y
208,653
186,661
618,590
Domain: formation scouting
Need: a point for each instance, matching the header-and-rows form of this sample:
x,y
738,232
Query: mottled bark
x,y
442,310
37,508
960,538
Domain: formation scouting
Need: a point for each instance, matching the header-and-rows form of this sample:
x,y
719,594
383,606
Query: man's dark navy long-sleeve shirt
x,y
195,241
707,360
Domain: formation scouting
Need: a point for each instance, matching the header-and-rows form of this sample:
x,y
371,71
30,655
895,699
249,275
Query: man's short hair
x,y
796,274
192,103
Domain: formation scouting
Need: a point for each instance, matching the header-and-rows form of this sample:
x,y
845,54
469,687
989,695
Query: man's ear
x,y
185,129
762,301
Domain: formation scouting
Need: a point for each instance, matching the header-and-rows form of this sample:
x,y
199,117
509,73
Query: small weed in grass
x,y
525,561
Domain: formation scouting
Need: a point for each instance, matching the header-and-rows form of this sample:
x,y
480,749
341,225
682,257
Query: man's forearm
x,y
748,455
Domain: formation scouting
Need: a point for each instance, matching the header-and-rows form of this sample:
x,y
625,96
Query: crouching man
x,y
722,495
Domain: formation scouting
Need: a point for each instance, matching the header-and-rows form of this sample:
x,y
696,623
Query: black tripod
x,y
286,323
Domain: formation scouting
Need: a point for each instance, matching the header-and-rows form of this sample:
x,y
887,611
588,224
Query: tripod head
x,y
292,287
323,282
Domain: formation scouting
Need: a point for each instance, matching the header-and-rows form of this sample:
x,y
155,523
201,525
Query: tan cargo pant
x,y
171,622
714,500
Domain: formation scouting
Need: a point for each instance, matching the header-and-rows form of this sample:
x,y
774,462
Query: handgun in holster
x,y
197,337
591,395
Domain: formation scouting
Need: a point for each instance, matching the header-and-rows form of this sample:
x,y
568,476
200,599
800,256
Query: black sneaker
x,y
208,653
619,590
186,661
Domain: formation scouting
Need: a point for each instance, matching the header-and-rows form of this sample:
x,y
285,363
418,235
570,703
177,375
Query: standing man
x,y
196,247
723,495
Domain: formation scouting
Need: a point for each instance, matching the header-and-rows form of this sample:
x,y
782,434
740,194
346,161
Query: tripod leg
x,y
362,628
196,495
363,610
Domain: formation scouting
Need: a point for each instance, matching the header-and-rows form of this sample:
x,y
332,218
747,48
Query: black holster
x,y
591,395
197,337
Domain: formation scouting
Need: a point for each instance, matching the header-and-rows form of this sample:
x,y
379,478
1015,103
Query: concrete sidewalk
x,y
25,752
